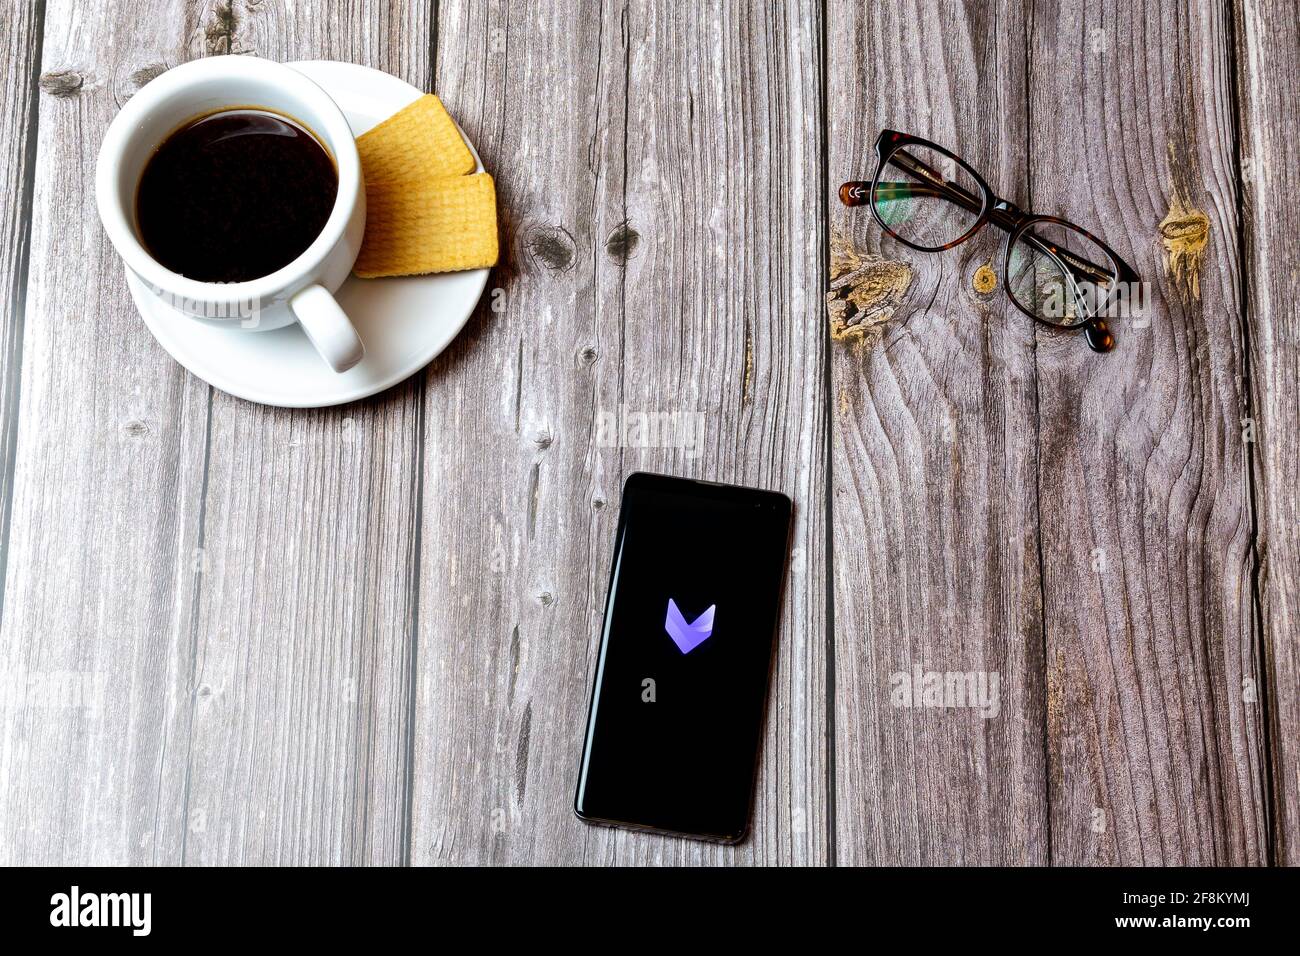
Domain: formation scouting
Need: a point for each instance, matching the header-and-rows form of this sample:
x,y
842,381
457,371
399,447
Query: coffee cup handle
x,y
328,327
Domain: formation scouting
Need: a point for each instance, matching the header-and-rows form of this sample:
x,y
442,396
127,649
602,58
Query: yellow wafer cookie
x,y
418,141
429,225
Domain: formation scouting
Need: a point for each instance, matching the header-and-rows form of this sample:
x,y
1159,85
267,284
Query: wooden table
x,y
238,634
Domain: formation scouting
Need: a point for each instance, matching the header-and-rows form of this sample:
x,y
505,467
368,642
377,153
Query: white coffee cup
x,y
300,292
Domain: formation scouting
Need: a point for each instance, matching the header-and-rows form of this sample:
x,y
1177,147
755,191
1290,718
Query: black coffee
x,y
235,195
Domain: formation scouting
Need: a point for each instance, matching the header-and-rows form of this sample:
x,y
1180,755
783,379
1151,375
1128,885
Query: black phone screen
x,y
682,669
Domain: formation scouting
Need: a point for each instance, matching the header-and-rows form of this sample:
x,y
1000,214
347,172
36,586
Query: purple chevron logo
x,y
687,637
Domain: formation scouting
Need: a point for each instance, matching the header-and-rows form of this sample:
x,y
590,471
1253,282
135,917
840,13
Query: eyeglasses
x,y
1054,271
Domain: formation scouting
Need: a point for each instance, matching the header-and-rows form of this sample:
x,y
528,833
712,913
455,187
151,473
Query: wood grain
x,y
21,28
661,258
231,634
1269,115
933,468
1156,743
304,619
95,647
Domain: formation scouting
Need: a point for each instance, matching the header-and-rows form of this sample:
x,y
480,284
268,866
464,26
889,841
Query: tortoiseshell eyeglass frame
x,y
1003,213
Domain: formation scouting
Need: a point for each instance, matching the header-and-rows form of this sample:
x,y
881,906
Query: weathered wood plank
x,y
933,465
95,646
1268,72
303,629
662,254
21,27
233,634
1155,737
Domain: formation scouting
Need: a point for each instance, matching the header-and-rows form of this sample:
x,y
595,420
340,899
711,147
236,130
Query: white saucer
x,y
404,322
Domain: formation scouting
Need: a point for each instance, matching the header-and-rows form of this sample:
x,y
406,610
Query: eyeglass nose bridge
x,y
1007,215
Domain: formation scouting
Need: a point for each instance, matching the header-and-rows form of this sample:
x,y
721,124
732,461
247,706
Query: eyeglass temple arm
x,y
909,163
931,185
935,185
1097,333
854,193
1073,266
1005,218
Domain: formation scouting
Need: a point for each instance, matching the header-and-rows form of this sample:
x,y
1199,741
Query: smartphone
x,y
679,693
